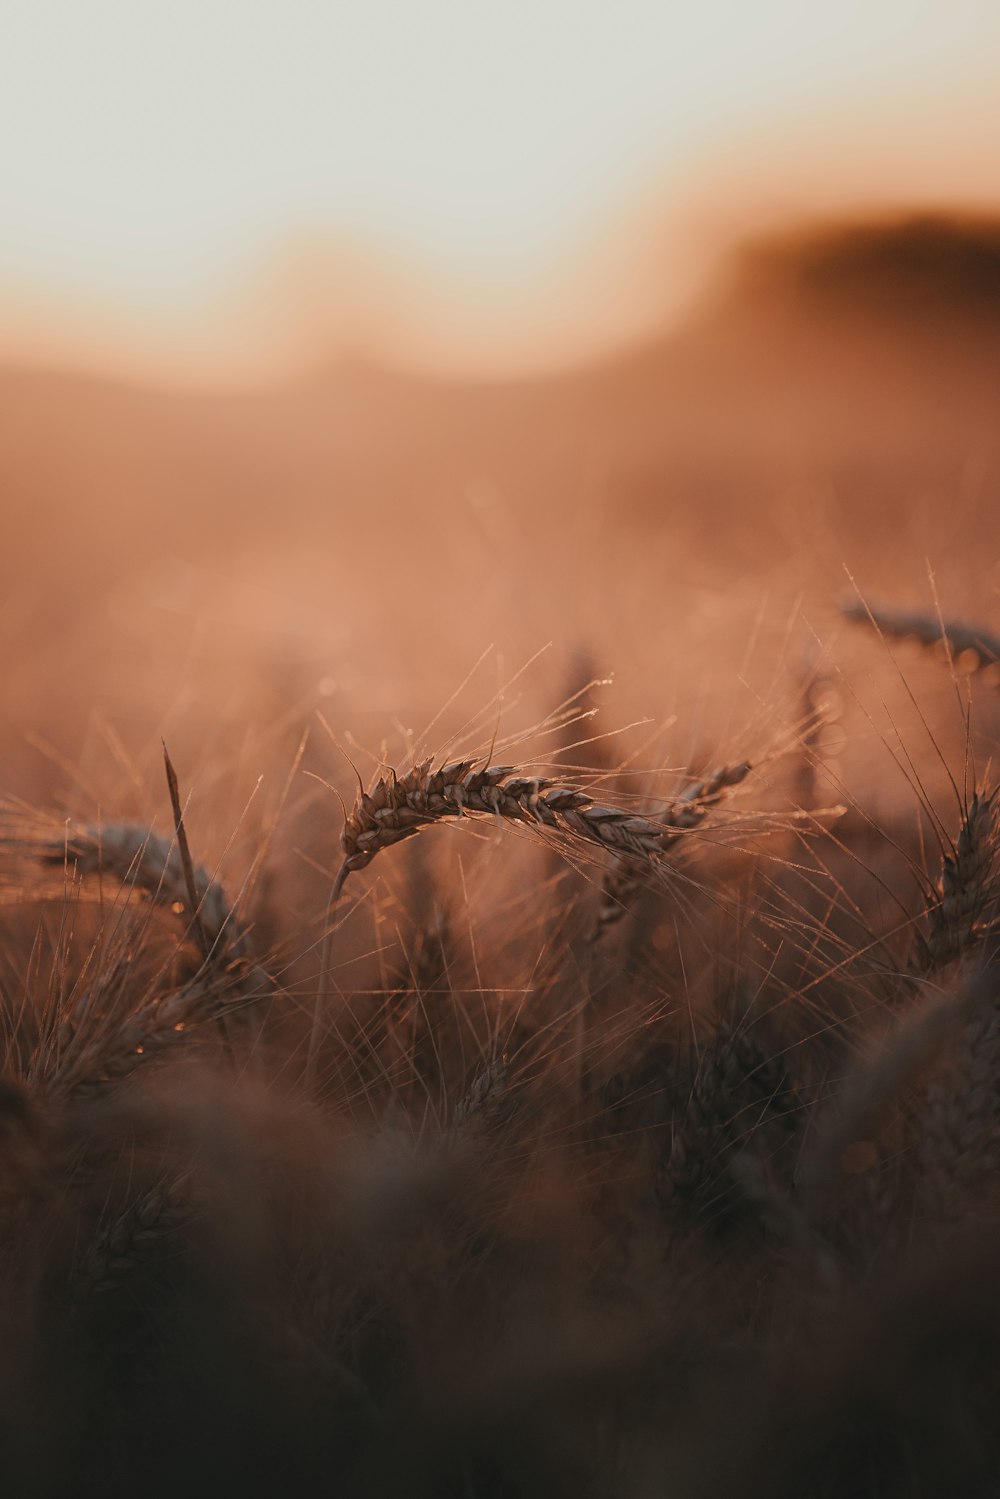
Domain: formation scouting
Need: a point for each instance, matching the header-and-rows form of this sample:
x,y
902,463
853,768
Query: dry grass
x,y
624,1126
397,808
476,1204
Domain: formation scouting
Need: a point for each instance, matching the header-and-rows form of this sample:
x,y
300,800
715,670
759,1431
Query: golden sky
x,y
208,178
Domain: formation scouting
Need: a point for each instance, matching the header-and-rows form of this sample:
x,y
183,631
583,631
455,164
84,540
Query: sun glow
x,y
157,162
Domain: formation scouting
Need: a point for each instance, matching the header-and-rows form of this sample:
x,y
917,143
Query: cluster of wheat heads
x,y
671,1172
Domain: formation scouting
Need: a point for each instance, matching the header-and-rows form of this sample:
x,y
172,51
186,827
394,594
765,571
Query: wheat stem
x,y
397,808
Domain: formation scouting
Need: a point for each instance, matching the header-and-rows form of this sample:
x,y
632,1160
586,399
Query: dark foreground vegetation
x,y
668,1167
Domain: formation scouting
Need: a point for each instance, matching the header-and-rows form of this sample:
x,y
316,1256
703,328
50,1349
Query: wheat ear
x,y
687,812
146,861
965,911
957,637
230,977
398,807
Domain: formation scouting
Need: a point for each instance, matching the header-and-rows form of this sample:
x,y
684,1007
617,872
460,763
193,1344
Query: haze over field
x,y
833,405
499,727
442,184
303,316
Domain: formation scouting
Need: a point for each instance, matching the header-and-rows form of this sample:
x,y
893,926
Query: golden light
x,y
448,181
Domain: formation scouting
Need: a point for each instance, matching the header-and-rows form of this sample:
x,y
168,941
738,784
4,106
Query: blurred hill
x,y
927,266
832,403
863,357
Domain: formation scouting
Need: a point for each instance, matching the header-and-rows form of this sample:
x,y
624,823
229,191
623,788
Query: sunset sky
x,y
170,171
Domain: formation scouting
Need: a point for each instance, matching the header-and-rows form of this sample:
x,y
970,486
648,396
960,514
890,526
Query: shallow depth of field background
x,y
531,384
349,354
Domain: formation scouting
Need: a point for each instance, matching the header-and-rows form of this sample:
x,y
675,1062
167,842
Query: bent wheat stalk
x,y
687,812
397,807
146,861
957,637
98,1044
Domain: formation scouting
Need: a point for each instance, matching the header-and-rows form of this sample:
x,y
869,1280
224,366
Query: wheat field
x,y
499,915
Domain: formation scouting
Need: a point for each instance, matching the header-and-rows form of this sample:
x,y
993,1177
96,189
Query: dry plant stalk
x,y
398,807
98,1045
187,863
687,812
147,861
819,705
956,637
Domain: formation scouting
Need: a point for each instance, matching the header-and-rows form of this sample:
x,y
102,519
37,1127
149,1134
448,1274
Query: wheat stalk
x,y
957,637
687,812
398,807
147,861
92,1051
965,910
